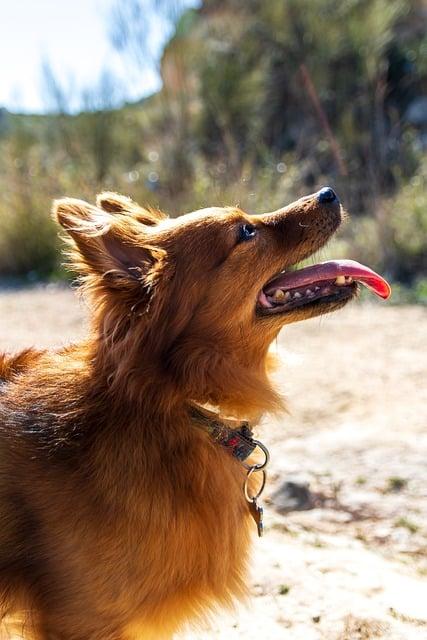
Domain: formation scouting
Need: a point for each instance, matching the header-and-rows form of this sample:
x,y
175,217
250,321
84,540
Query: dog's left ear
x,y
115,203
115,248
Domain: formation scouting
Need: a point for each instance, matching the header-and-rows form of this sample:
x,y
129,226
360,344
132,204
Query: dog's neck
x,y
138,365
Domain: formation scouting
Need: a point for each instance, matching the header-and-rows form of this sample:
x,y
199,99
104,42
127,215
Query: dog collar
x,y
237,440
240,443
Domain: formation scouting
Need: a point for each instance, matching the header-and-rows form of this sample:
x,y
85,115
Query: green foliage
x,y
395,484
408,224
263,101
284,589
27,235
405,523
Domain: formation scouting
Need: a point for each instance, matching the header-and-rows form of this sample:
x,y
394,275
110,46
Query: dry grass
x,y
361,629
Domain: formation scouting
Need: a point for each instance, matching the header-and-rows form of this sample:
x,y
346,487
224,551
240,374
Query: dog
x,y
122,458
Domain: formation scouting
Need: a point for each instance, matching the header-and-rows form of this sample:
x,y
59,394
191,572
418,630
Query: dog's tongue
x,y
329,271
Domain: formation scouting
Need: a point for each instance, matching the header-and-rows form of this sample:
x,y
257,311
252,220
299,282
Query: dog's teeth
x,y
340,280
349,280
309,292
287,296
279,295
297,295
317,288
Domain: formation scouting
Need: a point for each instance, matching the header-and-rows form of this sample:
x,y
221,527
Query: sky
x,y
72,36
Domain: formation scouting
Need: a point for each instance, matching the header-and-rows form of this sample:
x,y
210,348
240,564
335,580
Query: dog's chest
x,y
173,538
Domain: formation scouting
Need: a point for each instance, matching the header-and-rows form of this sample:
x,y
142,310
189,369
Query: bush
x,y
28,238
408,229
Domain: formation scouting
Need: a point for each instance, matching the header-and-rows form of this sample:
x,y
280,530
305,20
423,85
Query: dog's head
x,y
200,298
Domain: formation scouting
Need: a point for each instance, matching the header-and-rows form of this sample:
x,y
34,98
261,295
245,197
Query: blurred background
x,y
191,103
187,103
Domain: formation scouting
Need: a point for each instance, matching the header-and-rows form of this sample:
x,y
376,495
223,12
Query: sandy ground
x,y
354,567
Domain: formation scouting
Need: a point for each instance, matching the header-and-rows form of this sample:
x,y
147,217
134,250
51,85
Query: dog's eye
x,y
246,232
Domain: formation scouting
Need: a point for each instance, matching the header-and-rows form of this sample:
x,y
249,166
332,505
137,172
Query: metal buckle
x,y
260,465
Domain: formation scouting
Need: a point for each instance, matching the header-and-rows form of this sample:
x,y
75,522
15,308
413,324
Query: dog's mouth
x,y
325,284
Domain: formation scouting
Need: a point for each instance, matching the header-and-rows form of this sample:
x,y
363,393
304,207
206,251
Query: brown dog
x,y
121,515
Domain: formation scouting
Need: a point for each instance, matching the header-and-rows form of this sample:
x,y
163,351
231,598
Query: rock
x,y
293,495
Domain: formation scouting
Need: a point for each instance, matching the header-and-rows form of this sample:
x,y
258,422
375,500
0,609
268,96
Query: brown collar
x,y
235,436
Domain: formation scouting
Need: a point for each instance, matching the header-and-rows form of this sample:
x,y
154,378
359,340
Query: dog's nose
x,y
326,195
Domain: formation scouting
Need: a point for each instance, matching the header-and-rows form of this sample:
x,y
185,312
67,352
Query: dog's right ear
x,y
115,203
115,248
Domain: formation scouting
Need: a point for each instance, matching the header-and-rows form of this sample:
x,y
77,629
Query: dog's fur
x,y
119,518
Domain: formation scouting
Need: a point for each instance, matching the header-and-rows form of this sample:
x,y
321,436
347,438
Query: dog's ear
x,y
115,203
114,248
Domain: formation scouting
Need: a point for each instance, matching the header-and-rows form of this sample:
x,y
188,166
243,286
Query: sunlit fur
x,y
119,517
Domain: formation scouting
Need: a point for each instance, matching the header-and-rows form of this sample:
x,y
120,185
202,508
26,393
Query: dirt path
x,y
354,567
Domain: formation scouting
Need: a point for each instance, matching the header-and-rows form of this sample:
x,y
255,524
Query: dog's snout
x,y
326,195
307,224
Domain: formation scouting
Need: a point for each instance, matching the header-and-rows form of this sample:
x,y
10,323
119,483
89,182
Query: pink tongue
x,y
329,271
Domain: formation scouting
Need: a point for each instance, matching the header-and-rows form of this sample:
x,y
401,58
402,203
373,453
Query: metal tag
x,y
257,514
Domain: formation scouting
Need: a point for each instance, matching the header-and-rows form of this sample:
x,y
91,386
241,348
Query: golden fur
x,y
119,518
